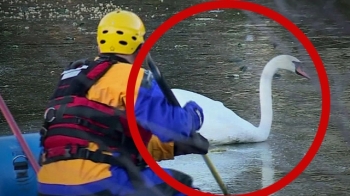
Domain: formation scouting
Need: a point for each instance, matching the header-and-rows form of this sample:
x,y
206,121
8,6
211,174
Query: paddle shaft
x,y
172,99
16,131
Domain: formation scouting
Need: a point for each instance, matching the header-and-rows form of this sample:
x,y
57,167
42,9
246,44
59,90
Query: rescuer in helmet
x,y
87,146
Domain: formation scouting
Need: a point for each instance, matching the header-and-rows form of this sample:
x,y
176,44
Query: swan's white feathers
x,y
225,122
222,126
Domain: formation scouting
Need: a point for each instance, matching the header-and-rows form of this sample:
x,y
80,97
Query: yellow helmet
x,y
120,32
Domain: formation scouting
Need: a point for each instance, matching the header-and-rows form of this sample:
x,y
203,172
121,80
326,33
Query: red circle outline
x,y
248,6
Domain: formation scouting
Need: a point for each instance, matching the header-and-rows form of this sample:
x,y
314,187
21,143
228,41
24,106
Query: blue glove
x,y
197,114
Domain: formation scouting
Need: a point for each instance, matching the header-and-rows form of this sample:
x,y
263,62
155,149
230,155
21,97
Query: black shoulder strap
x,y
88,77
79,76
76,64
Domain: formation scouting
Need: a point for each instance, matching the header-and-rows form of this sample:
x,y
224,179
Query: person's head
x,y
121,33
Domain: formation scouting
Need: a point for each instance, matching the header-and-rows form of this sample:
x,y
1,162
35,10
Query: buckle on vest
x,y
79,121
50,114
81,153
67,153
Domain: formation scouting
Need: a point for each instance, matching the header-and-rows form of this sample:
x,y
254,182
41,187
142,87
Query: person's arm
x,y
167,122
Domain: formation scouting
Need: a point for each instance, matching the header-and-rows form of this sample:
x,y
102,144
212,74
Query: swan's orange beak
x,y
299,70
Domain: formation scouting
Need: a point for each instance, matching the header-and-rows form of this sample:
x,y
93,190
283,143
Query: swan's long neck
x,y
266,97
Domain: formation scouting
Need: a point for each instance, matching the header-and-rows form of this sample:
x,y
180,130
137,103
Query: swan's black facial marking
x,y
299,69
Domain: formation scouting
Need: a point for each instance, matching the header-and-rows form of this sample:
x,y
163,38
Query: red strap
x,y
56,145
96,71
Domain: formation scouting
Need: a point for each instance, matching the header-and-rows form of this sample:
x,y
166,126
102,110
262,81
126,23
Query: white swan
x,y
222,126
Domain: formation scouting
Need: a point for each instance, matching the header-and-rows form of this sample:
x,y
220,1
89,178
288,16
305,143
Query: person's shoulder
x,y
122,68
122,72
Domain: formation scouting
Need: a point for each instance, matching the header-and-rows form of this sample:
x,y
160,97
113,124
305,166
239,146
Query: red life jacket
x,y
72,121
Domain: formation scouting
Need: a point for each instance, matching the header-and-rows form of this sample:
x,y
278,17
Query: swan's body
x,y
222,126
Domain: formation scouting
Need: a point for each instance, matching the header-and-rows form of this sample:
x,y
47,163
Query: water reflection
x,y
267,169
236,165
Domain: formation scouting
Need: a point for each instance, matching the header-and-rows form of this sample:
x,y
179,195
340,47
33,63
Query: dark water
x,y
203,54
